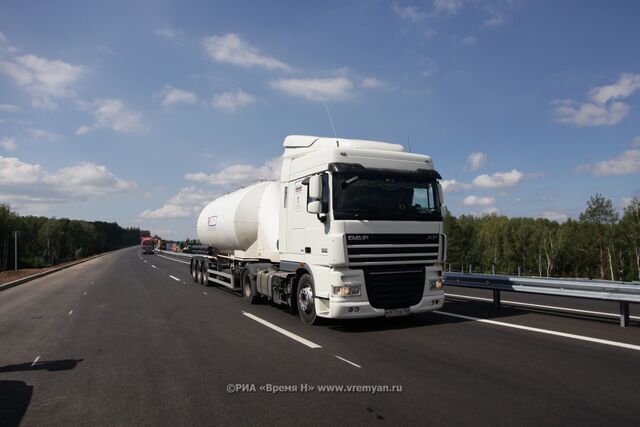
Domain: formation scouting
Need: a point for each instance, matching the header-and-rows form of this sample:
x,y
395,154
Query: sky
x,y
142,112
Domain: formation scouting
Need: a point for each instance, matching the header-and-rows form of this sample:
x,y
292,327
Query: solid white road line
x,y
35,361
70,312
176,260
282,331
153,266
551,307
544,331
348,361
174,278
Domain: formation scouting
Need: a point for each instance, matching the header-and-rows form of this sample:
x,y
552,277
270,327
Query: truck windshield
x,y
369,196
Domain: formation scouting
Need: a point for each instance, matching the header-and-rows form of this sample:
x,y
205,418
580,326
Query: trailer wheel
x,y
194,270
197,271
305,300
204,274
249,292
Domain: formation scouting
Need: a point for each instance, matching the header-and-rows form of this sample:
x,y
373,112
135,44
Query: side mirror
x,y
440,194
314,207
315,187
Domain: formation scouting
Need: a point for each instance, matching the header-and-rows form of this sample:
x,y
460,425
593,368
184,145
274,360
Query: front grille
x,y
392,249
394,287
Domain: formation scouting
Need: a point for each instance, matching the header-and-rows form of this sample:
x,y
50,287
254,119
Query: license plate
x,y
397,312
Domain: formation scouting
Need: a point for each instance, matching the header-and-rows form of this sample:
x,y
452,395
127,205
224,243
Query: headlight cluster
x,y
436,283
347,290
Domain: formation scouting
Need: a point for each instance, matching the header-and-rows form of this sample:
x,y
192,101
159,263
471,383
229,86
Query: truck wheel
x,y
305,300
194,271
249,292
204,274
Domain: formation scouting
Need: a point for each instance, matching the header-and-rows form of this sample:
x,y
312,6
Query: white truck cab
x,y
364,219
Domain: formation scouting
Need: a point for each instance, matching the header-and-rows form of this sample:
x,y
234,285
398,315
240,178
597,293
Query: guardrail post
x,y
624,314
496,298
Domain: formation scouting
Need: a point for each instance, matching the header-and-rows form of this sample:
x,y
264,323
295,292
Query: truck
x,y
352,229
147,245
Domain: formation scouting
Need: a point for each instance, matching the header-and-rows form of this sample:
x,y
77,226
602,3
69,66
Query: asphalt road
x,y
121,341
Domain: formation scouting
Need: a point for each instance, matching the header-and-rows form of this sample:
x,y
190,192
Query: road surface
x,y
127,339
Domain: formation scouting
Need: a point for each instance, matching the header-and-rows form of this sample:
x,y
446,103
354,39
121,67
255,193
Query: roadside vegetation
x,y
43,242
599,244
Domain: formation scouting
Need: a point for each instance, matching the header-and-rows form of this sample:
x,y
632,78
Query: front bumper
x,y
344,309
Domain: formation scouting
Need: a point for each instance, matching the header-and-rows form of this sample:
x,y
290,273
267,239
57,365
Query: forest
x,y
43,242
598,245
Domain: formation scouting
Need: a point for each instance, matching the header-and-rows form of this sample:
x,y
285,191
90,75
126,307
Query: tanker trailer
x,y
352,229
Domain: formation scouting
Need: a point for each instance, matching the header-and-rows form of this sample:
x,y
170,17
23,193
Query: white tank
x,y
243,223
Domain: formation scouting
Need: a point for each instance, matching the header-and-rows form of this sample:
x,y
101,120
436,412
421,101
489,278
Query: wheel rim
x,y
305,299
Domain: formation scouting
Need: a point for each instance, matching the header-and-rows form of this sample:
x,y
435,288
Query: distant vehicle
x,y
147,245
352,229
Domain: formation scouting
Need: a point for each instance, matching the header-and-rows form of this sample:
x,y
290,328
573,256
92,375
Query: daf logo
x,y
360,238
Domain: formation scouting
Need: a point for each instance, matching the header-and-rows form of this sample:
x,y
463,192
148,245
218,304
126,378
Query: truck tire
x,y
204,274
305,300
194,270
198,272
249,292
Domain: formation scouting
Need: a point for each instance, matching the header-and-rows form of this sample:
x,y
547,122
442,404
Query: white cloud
x,y
469,40
430,33
555,216
604,108
168,33
448,7
8,108
476,161
452,186
625,164
231,49
588,113
494,20
636,142
42,134
372,83
239,174
230,101
5,46
498,179
26,185
111,114
409,13
320,90
491,211
626,86
8,143
188,202
169,96
478,201
42,78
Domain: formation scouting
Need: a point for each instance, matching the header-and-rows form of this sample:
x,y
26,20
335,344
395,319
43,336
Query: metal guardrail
x,y
621,292
175,254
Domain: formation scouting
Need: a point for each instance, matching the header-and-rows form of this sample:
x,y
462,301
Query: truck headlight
x,y
347,290
436,283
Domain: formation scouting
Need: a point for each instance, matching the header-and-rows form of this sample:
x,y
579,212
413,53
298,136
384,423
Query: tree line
x,y
598,245
43,242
